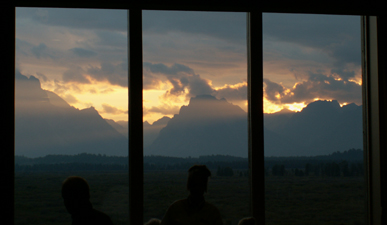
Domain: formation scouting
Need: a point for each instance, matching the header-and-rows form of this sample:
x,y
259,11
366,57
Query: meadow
x,y
288,199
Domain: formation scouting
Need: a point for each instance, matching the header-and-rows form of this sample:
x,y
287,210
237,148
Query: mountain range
x,y
46,124
212,126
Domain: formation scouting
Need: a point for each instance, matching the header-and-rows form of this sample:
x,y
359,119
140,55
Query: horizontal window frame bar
x,y
320,7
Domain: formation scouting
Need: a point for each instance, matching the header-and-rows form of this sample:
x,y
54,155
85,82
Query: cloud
x,y
273,91
70,99
42,77
198,86
84,53
112,39
316,31
181,78
168,70
330,40
236,92
317,86
230,27
103,19
40,51
116,74
112,110
163,109
75,74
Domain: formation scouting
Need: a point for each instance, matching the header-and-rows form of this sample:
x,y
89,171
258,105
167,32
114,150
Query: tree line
x,y
330,169
347,163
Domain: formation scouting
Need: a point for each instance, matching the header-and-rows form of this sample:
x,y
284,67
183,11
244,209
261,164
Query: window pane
x,y
195,109
71,111
313,136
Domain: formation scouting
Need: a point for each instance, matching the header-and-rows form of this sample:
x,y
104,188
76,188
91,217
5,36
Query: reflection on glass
x,y
195,109
70,111
313,120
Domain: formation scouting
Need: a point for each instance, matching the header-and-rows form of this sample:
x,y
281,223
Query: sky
x,y
81,55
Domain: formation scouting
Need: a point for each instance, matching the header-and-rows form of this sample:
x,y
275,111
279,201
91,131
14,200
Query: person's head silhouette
x,y
198,179
247,221
76,197
75,194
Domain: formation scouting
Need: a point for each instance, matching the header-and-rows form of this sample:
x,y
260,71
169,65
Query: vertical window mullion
x,y
255,115
8,152
135,117
372,135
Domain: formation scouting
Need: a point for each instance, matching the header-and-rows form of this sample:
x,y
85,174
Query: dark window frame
x,y
374,93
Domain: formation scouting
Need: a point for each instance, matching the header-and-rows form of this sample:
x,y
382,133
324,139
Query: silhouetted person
x,y
194,209
153,221
76,197
247,221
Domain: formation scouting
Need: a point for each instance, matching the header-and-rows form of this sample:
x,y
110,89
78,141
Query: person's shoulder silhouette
x,y
76,197
194,209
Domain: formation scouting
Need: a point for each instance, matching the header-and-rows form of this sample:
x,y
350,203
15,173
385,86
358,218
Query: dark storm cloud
x,y
226,26
81,52
180,76
114,20
317,86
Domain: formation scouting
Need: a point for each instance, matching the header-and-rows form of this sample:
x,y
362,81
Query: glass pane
x,y
313,120
71,112
195,109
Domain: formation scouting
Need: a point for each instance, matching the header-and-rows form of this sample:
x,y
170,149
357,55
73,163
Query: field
x,y
289,199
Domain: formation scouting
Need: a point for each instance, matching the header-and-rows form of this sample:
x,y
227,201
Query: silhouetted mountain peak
x,y
351,107
322,106
208,107
28,90
91,111
162,121
221,124
284,111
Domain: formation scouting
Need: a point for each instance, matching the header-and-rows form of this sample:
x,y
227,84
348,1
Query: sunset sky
x,y
81,55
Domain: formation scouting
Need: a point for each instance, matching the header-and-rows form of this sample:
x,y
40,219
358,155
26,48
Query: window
x,y
314,170
195,90
71,112
375,74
